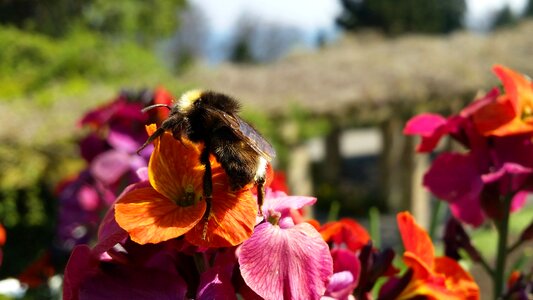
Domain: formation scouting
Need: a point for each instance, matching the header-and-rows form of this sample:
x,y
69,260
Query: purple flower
x,y
82,201
117,268
283,260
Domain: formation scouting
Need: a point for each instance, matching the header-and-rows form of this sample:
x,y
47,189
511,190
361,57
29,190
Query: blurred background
x,y
329,82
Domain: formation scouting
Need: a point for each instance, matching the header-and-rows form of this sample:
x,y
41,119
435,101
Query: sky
x,y
478,10
272,26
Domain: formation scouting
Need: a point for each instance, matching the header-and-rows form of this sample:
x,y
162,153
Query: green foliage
x,y
30,62
140,20
45,16
397,17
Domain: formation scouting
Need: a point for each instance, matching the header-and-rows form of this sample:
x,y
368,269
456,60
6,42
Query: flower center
x,y
188,198
273,217
527,113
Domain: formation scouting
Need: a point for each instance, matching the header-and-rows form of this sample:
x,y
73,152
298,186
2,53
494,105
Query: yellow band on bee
x,y
188,99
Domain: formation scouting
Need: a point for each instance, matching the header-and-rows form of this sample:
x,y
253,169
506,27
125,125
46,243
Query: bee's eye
x,y
197,102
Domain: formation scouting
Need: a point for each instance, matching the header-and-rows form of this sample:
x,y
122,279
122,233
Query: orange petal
x,y
2,235
150,129
425,282
315,224
329,229
415,239
516,86
346,231
493,118
430,290
233,215
174,166
150,217
457,279
421,270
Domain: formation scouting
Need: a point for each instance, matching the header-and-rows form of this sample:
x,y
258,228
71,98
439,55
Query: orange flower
x,y
174,206
510,113
433,277
345,231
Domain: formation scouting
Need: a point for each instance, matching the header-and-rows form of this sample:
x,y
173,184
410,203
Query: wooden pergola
x,y
366,79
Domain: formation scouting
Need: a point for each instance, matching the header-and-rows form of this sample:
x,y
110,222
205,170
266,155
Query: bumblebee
x,y
212,118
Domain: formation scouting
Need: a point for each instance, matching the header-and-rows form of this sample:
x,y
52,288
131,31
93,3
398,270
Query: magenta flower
x,y
493,166
346,272
283,260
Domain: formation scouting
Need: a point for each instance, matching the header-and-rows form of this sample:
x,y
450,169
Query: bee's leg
x,y
208,187
260,192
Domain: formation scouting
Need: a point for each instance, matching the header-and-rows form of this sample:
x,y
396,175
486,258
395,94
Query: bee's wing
x,y
253,138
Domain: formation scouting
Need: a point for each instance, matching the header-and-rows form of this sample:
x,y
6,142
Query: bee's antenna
x,y
155,106
155,135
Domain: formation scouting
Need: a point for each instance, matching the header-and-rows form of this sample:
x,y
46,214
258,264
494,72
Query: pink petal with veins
x,y
292,263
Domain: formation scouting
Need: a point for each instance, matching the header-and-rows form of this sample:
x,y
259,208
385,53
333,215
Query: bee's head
x,y
187,100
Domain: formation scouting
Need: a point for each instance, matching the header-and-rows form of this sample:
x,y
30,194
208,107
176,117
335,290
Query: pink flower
x,y
283,260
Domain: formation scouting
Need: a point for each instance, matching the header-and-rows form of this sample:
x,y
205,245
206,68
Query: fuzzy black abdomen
x,y
239,160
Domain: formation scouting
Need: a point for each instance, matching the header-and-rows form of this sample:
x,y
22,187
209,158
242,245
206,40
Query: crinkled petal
x,y
149,217
233,216
453,176
293,263
175,165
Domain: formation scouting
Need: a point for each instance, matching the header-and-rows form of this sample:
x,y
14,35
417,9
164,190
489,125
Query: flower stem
x,y
436,217
503,232
515,246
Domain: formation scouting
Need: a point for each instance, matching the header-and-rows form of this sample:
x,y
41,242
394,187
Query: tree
x,y
504,18
529,9
397,17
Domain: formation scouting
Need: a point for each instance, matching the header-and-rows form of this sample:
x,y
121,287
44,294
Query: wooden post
x,y
392,169
299,171
333,157
419,199
298,164
402,173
